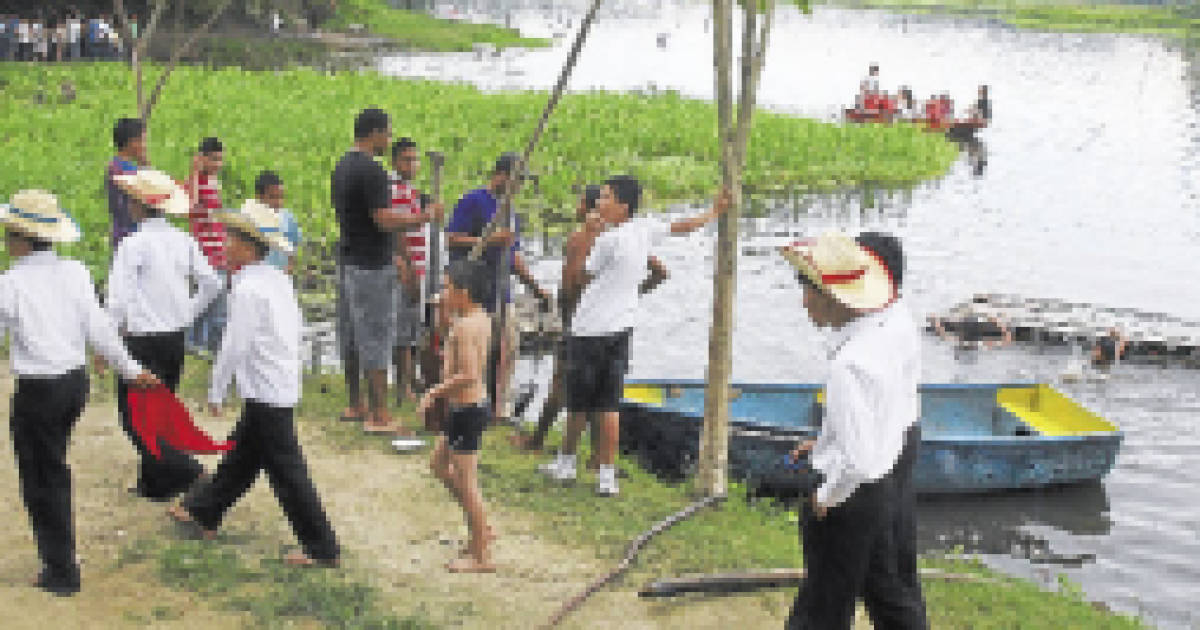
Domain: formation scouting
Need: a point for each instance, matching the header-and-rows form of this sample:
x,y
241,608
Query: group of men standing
x,y
63,36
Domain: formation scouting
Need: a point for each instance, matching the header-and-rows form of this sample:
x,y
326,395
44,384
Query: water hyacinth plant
x,y
299,122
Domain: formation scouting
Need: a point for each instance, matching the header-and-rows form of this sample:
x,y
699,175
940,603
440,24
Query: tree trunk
x,y
714,439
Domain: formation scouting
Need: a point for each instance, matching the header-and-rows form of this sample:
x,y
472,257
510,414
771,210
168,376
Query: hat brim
x,y
275,240
177,203
62,230
870,292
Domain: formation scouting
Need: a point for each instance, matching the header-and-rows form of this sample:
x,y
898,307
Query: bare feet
x,y
299,559
470,564
181,515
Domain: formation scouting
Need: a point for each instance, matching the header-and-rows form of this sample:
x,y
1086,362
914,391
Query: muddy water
x,y
1087,192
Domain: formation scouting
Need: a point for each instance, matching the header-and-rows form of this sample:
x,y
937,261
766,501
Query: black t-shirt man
x,y
360,186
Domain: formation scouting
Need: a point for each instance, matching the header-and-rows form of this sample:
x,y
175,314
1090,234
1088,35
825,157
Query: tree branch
x,y
753,60
180,52
144,39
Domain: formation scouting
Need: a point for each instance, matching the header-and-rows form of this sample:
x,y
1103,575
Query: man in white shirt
x,y
868,88
261,352
611,269
48,307
859,531
149,299
74,32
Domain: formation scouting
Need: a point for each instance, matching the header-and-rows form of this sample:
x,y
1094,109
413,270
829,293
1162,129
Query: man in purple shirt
x,y
472,214
129,136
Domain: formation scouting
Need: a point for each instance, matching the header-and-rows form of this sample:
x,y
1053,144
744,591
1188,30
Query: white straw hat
x,y
37,214
155,189
852,274
258,220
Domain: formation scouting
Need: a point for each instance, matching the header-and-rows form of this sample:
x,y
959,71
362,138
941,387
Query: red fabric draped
x,y
157,414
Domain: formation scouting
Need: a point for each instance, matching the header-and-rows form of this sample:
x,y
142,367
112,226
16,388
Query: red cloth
x,y
157,414
207,230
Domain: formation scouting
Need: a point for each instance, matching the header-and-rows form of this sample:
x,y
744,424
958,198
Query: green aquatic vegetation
x,y
414,29
1176,21
298,122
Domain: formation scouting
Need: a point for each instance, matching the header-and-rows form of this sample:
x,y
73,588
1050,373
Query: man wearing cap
x,y
149,299
472,214
261,352
48,305
609,271
858,530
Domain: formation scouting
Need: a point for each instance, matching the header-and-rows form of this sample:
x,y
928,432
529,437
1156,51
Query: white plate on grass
x,y
408,445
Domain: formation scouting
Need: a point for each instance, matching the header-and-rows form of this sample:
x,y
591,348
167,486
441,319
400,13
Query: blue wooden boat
x,y
974,438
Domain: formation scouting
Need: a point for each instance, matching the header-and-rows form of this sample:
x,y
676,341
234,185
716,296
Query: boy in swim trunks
x,y
455,458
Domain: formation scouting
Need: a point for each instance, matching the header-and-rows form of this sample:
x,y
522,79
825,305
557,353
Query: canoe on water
x,y
974,438
961,127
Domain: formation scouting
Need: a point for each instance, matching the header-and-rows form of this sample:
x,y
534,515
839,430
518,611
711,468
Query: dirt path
x,y
396,523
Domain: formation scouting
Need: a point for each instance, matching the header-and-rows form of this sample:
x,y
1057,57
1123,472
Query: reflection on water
x,y
1084,188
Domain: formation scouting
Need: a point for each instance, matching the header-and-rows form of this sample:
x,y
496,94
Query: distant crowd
x,y
62,36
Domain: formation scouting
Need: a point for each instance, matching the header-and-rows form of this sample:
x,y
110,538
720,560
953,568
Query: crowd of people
x,y
225,288
62,36
903,105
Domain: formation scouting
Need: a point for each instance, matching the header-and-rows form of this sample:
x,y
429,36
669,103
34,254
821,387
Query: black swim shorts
x,y
595,371
465,429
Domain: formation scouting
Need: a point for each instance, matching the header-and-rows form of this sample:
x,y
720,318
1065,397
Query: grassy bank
x,y
420,31
1175,21
299,122
738,534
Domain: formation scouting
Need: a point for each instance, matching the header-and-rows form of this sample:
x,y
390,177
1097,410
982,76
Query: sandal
x,y
183,517
299,559
469,565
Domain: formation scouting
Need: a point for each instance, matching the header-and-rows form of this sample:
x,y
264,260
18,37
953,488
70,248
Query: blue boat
x,y
974,438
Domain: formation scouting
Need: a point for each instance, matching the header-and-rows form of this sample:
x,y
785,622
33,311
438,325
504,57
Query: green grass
x,y
417,30
1175,21
299,122
736,534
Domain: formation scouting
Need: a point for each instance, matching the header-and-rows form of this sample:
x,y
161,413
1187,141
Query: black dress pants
x,y
44,410
159,478
865,546
266,441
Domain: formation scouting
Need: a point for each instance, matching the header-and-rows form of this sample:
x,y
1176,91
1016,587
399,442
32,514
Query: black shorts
x,y
466,426
595,371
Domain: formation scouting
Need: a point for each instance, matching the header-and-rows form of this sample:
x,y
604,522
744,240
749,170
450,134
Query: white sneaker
x,y
606,481
562,468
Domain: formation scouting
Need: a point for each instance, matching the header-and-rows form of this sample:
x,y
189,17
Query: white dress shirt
x,y
148,289
48,306
617,264
870,401
261,347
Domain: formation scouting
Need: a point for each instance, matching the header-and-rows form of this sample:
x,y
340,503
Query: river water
x,y
1088,194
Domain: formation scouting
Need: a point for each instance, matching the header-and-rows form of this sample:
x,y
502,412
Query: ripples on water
x,y
1087,192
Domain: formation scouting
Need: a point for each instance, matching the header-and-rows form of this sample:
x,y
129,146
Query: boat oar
x,y
763,578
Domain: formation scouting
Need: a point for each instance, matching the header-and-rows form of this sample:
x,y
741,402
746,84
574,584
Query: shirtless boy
x,y
455,459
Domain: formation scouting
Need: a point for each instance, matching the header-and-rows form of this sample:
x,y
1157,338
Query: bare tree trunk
x,y
714,439
733,137
179,52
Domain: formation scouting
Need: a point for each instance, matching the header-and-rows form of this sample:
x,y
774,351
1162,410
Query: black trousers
x,y
266,441
159,478
44,410
865,546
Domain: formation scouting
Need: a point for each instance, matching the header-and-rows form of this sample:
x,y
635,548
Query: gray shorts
x,y
366,323
408,319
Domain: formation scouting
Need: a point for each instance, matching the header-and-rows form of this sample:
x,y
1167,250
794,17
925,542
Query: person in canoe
x,y
975,331
859,528
868,89
1109,349
982,109
907,105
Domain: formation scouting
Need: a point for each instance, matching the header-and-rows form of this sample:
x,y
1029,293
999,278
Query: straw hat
x,y
259,221
852,274
37,214
155,189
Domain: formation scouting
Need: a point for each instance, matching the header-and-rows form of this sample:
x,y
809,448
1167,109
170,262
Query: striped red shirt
x,y
208,232
406,199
